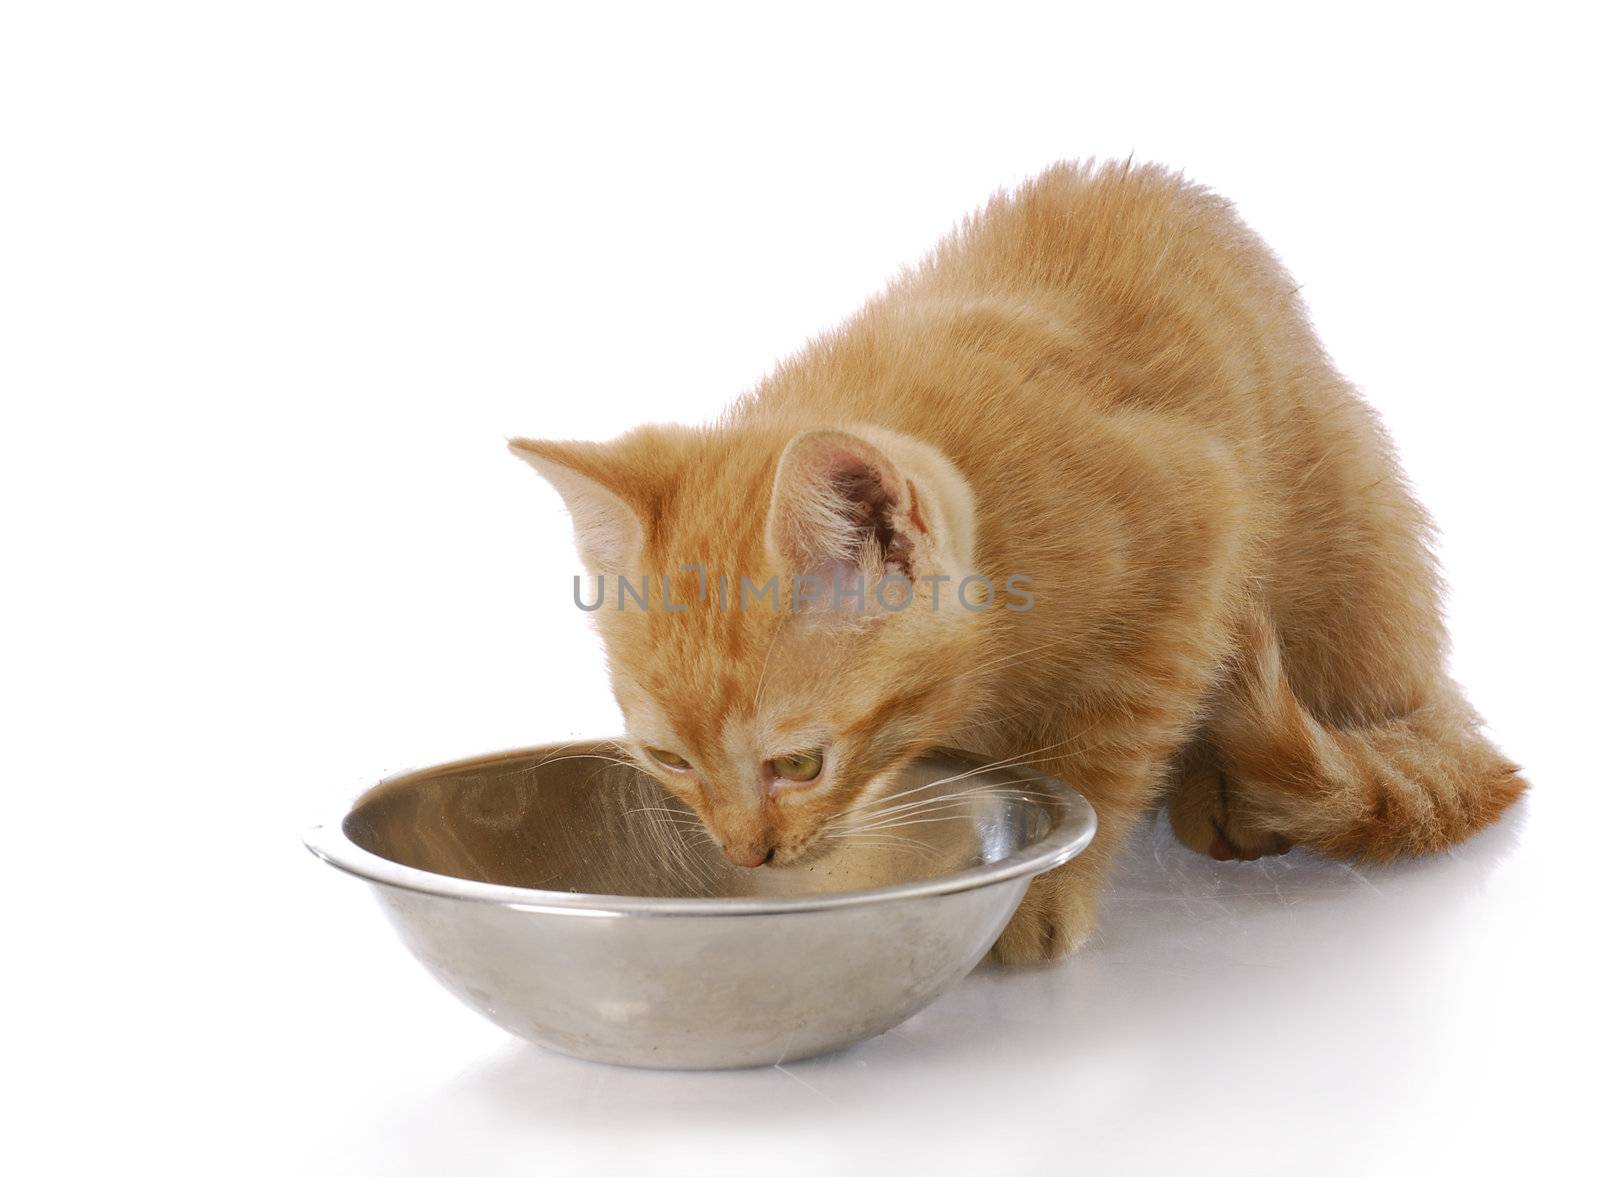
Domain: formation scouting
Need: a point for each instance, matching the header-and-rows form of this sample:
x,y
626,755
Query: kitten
x,y
1208,584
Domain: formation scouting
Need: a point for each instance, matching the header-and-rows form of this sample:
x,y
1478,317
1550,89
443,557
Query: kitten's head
x,y
772,704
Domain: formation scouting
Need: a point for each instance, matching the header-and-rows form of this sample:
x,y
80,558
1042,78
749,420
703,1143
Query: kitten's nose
x,y
751,854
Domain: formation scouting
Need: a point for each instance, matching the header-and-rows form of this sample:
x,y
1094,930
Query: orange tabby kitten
x,y
1207,583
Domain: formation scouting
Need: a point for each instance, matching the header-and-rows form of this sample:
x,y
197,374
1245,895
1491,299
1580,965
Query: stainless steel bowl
x,y
559,892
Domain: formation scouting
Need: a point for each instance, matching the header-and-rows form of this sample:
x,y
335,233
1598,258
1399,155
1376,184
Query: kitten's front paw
x,y
1049,925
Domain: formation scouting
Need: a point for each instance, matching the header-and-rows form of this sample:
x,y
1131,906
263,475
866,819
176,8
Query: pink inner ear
x,y
839,579
873,503
842,507
914,508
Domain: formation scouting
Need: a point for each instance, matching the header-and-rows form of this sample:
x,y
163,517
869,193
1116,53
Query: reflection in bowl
x,y
561,893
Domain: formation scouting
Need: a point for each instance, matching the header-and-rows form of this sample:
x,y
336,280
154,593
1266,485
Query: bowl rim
x,y
1065,840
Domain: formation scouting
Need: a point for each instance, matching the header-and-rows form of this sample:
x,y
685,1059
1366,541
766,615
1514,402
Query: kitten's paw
x,y
1249,847
1046,927
1204,811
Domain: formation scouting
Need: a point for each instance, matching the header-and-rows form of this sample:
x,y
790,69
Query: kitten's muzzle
x,y
749,854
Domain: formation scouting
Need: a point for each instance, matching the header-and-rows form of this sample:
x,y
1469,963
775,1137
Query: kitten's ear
x,y
840,503
609,532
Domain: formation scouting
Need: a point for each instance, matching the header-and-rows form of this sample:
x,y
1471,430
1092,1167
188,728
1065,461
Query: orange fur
x,y
1104,382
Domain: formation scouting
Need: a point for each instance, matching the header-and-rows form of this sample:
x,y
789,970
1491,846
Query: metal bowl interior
x,y
579,827
493,871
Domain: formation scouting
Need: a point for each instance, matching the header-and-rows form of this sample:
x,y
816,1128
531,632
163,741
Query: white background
x,y
276,280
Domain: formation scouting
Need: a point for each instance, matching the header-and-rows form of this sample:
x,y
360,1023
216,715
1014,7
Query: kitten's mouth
x,y
808,852
776,855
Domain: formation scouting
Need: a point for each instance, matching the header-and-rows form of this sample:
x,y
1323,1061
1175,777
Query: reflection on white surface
x,y
1348,1018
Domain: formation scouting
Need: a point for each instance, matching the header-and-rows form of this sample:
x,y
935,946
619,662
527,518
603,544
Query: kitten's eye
x,y
799,766
668,759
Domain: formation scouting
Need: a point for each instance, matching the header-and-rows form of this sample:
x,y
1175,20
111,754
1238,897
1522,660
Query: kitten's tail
x,y
1408,785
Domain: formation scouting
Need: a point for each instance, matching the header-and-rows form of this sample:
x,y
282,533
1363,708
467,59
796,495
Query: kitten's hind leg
x,y
1409,782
